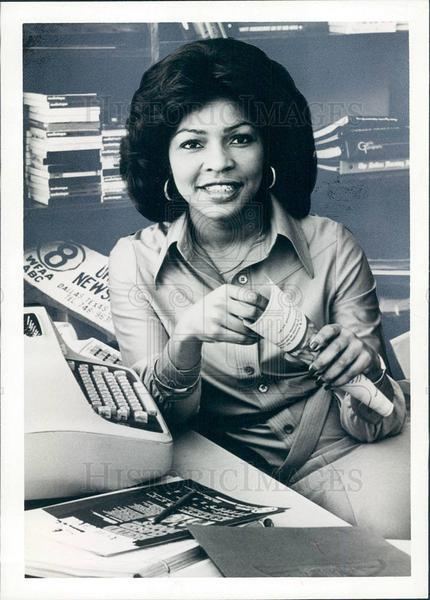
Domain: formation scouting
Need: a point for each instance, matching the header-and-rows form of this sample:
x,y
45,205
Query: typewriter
x,y
90,425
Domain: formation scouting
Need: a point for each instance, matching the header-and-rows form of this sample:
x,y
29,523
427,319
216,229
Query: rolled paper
x,y
365,391
281,322
288,327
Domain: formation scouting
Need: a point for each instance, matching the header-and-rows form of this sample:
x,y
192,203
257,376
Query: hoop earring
x,y
166,192
274,178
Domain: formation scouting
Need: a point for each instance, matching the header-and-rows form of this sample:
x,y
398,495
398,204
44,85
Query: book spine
x,y
289,28
37,97
68,126
43,172
67,156
43,134
74,110
55,105
63,145
368,148
382,133
83,116
92,188
113,179
66,169
68,182
111,172
362,27
351,167
354,122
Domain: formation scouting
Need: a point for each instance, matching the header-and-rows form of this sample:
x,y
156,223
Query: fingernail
x,y
313,345
327,386
312,368
319,381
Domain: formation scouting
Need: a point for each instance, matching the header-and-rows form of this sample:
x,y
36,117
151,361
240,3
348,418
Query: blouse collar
x,y
281,224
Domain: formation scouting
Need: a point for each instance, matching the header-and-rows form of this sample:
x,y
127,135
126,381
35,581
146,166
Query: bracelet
x,y
168,388
380,378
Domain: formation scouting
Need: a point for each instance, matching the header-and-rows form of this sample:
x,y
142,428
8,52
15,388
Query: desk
x,y
200,459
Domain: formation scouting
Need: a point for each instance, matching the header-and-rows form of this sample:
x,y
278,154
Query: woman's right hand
x,y
218,316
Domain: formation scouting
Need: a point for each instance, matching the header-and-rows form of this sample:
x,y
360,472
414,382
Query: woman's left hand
x,y
342,356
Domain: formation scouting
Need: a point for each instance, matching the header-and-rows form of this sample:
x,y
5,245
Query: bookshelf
x,y
366,73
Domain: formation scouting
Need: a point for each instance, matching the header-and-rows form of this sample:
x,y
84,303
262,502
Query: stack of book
x,y
362,145
63,143
113,187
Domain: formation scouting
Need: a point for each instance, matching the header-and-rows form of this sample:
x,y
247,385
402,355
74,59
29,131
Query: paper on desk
x,y
300,552
45,557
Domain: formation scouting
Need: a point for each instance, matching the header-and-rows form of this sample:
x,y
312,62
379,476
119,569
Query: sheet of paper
x,y
300,552
113,523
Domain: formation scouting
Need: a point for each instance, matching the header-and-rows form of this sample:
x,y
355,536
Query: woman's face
x,y
216,157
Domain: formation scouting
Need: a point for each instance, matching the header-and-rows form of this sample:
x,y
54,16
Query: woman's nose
x,y
218,158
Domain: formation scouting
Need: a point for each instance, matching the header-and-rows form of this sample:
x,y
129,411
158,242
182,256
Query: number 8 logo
x,y
57,255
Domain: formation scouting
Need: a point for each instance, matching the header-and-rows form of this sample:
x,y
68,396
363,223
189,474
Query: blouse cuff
x,y
173,380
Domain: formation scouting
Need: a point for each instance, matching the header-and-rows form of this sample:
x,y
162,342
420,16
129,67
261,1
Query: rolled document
x,y
288,327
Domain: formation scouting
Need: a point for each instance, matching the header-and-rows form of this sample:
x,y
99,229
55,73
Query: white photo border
x,y
14,14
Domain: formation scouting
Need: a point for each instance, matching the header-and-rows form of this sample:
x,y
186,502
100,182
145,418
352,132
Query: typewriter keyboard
x,y
115,395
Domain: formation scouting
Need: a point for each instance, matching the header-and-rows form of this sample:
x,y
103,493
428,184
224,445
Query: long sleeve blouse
x,y
255,393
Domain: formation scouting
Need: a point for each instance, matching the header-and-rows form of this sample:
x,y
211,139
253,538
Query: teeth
x,y
220,188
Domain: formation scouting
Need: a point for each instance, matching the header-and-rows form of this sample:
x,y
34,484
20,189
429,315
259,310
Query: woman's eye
x,y
191,144
242,138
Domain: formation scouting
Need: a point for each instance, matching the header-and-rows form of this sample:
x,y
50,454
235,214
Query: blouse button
x,y
249,370
289,428
263,388
242,279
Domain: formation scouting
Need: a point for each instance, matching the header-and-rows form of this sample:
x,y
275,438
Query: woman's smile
x,y
223,191
216,158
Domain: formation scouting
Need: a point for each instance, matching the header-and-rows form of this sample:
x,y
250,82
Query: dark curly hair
x,y
189,78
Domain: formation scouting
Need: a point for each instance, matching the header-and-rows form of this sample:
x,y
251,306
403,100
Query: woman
x,y
220,155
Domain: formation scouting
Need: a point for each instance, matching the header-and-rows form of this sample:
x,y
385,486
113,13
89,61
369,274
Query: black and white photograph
x,y
214,296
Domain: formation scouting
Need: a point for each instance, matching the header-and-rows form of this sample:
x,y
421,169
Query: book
x,y
301,552
62,170
113,134
45,557
61,100
390,266
63,201
86,158
48,197
372,166
46,186
68,126
52,182
74,134
382,130
114,197
354,122
62,190
62,115
348,27
43,173
346,167
111,172
366,144
111,162
77,143
290,28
